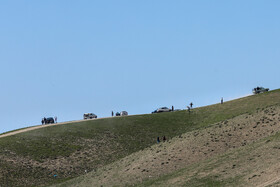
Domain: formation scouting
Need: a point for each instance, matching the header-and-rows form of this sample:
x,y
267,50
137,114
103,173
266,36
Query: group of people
x,y
163,139
190,107
44,120
117,113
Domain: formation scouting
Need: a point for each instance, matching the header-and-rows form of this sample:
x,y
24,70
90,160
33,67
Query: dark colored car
x,y
49,120
118,114
155,111
258,90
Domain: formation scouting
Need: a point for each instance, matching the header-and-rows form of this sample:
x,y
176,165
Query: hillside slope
x,y
224,153
55,154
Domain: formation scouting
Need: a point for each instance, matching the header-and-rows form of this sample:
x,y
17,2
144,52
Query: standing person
x,y
112,113
45,121
164,138
55,119
222,101
191,104
172,108
42,121
189,109
158,139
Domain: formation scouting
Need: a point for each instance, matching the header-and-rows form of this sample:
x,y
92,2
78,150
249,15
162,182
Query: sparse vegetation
x,y
225,153
71,150
256,162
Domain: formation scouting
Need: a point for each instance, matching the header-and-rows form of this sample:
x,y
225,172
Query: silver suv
x,y
89,116
163,109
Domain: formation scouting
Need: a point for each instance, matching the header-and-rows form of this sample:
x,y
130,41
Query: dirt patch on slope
x,y
182,151
256,164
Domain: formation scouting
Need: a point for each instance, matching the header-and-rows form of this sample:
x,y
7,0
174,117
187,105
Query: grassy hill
x,y
55,154
242,151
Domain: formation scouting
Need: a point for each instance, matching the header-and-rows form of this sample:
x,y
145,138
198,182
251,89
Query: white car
x,y
163,109
124,113
89,116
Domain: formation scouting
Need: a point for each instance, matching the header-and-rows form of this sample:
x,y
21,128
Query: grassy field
x,y
70,150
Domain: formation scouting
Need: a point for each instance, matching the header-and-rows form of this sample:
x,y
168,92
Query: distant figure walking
x,y
189,109
42,121
55,119
45,121
164,138
112,113
158,139
172,108
191,104
222,101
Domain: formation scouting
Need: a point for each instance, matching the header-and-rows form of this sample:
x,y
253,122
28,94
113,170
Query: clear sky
x,y
65,58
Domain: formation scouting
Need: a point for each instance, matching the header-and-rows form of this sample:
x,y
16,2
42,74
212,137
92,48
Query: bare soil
x,y
198,146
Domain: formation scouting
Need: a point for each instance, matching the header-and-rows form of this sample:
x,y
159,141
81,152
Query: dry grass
x,y
33,157
201,146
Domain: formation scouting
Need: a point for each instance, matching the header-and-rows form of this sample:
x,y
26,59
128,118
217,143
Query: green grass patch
x,y
115,138
209,181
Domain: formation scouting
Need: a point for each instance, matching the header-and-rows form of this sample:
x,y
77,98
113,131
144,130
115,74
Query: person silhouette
x,y
189,109
158,139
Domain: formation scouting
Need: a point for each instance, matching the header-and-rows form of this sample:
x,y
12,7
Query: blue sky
x,y
65,58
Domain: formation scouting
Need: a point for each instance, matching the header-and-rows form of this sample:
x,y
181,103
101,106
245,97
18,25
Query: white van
x,y
124,113
89,116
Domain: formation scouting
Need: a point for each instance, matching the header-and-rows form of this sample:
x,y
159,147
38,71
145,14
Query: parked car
x,y
258,90
49,120
89,116
155,111
162,109
124,113
118,114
